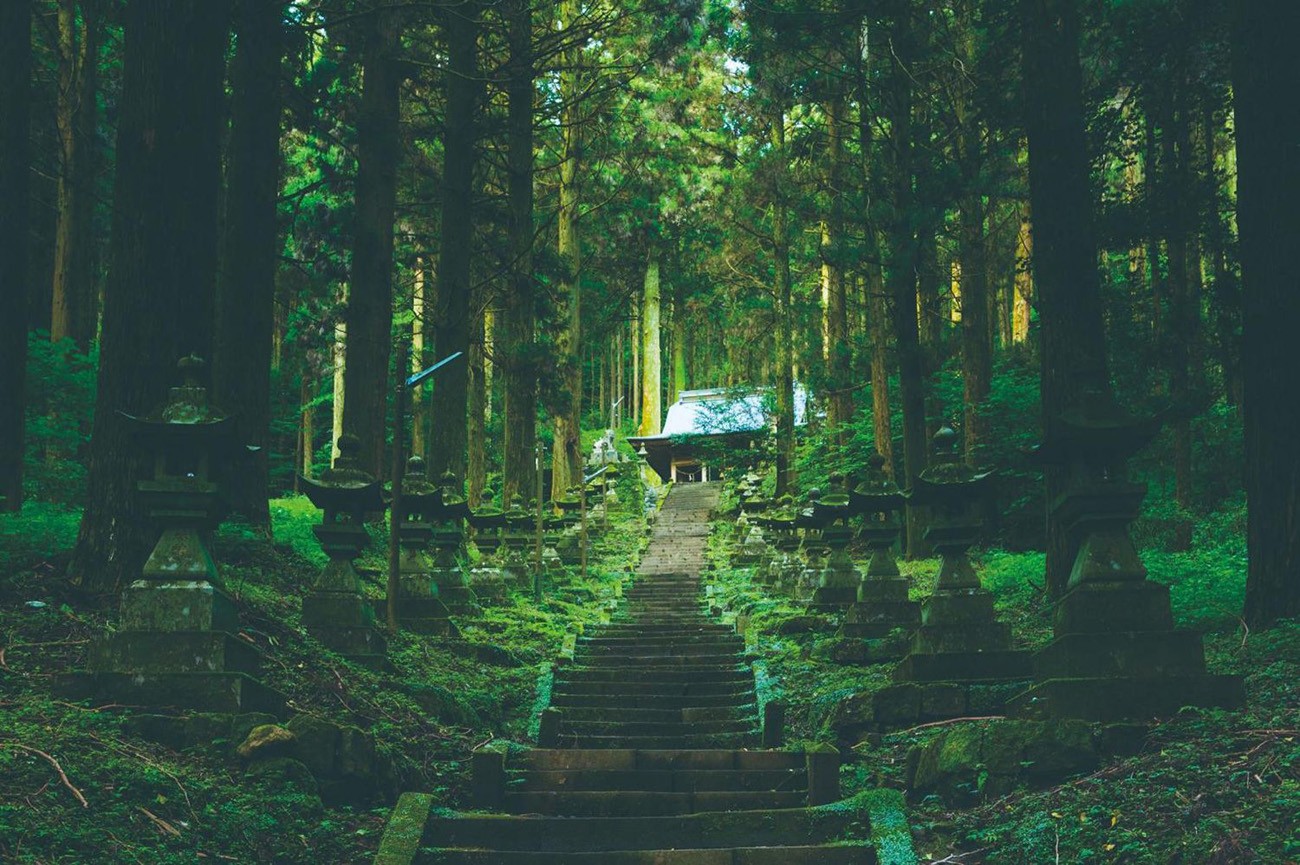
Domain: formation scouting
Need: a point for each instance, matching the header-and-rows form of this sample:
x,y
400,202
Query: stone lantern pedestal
x,y
837,584
335,611
177,643
961,661
486,578
1116,654
515,541
448,516
883,607
420,608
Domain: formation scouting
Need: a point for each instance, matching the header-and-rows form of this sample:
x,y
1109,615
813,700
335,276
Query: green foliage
x,y
60,405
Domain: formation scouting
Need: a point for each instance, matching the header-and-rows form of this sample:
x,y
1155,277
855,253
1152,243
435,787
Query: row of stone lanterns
x,y
178,643
1115,652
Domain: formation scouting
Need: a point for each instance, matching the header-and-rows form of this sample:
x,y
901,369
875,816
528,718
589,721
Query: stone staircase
x,y
645,750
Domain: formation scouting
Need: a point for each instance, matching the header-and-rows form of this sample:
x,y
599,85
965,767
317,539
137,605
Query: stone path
x,y
646,754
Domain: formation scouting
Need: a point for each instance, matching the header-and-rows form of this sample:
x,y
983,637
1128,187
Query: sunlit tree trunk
x,y
339,354
1268,189
518,315
977,349
15,102
158,303
651,357
370,303
678,350
1024,288
479,400
421,324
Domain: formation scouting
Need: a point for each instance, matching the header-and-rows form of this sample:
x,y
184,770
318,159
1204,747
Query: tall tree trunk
x,y
519,314
1024,288
15,103
479,399
1073,356
369,312
651,355
1227,297
1184,303
421,323
566,459
448,437
902,280
339,354
1268,189
72,315
158,303
838,349
245,321
976,346
786,479
679,350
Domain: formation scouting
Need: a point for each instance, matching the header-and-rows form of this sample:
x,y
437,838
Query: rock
x,y
488,653
284,772
209,731
265,740
846,714
976,762
348,766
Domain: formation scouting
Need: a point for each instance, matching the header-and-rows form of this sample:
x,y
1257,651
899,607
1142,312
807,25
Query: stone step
x,y
739,699
658,659
804,855
603,834
660,780
681,642
635,677
659,715
747,739
701,626
675,759
642,803
657,729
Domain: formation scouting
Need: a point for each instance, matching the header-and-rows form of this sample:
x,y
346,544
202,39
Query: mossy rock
x,y
976,762
348,766
284,772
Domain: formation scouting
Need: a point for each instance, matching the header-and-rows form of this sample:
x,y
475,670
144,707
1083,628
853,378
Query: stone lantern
x,y
1116,654
335,611
837,585
961,661
520,522
778,524
176,643
813,548
447,513
882,604
568,544
485,578
420,610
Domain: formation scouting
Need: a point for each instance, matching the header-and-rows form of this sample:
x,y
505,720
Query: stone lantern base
x,y
1117,656
837,587
345,623
488,583
175,646
961,663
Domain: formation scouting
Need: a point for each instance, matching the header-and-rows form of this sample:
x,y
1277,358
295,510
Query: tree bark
x,y
902,278
449,435
339,352
72,315
786,479
566,458
519,315
1072,355
651,357
838,353
1268,189
421,323
369,313
976,347
245,320
15,108
158,302
479,399
678,350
